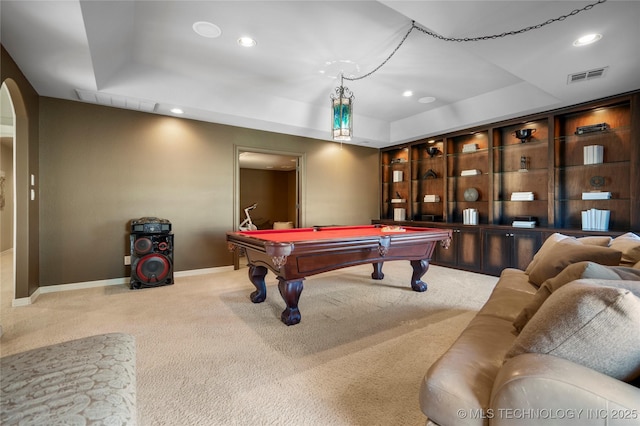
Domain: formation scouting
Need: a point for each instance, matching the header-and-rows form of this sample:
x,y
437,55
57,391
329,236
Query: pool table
x,y
293,254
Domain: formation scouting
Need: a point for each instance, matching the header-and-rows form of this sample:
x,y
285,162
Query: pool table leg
x,y
377,271
290,292
256,276
420,268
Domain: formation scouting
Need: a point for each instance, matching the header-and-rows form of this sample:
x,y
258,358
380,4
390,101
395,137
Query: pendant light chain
x,y
413,25
479,38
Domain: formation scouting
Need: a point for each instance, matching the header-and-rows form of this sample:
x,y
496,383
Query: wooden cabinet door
x,y
525,245
464,251
447,257
469,249
508,248
496,250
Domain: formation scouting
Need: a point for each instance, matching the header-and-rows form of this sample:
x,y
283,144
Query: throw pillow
x,y
563,254
546,246
629,245
626,273
593,325
568,274
596,241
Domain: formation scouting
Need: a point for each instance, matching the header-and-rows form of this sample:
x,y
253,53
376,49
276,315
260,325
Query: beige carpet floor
x,y
206,355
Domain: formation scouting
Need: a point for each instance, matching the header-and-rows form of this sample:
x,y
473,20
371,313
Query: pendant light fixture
x,y
342,106
342,99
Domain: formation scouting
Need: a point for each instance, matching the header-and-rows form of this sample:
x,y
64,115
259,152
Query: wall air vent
x,y
115,101
586,75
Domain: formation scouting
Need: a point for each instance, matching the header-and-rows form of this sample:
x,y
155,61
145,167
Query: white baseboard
x,y
78,286
25,301
203,271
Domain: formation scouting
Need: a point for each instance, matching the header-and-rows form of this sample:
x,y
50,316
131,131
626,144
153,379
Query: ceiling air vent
x,y
586,75
115,101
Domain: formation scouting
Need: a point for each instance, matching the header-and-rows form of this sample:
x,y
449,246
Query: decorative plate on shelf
x,y
471,194
596,181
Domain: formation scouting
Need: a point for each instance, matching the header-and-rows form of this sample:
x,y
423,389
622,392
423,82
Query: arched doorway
x,y
16,209
7,203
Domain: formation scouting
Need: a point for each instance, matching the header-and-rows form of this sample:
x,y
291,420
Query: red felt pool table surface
x,y
329,233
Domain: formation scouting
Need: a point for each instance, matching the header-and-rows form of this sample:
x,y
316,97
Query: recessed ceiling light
x,y
587,39
426,100
177,111
207,29
246,42
407,93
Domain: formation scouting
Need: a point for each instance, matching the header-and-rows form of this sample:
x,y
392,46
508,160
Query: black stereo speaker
x,y
151,260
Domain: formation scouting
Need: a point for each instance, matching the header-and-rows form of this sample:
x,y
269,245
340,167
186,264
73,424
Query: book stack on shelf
x,y
596,195
470,172
593,154
522,196
595,220
397,175
470,216
399,214
430,198
469,147
398,198
524,222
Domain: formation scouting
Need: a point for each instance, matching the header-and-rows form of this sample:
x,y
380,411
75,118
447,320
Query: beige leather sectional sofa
x,y
556,344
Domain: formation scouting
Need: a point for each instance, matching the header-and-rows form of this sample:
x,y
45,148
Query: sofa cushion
x,y
570,273
626,273
629,245
546,246
563,254
588,323
510,295
462,378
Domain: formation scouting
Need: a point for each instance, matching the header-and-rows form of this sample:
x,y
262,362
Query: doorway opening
x,y
273,182
7,199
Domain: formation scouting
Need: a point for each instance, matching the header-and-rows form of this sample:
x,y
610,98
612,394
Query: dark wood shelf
x,y
556,174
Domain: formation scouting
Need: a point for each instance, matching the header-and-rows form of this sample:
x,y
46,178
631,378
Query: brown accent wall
x,y
26,104
101,167
271,191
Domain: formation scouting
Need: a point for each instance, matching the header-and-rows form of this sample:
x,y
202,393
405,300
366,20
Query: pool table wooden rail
x,y
313,257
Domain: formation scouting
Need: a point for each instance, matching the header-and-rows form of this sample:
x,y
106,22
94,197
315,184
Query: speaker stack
x,y
151,252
